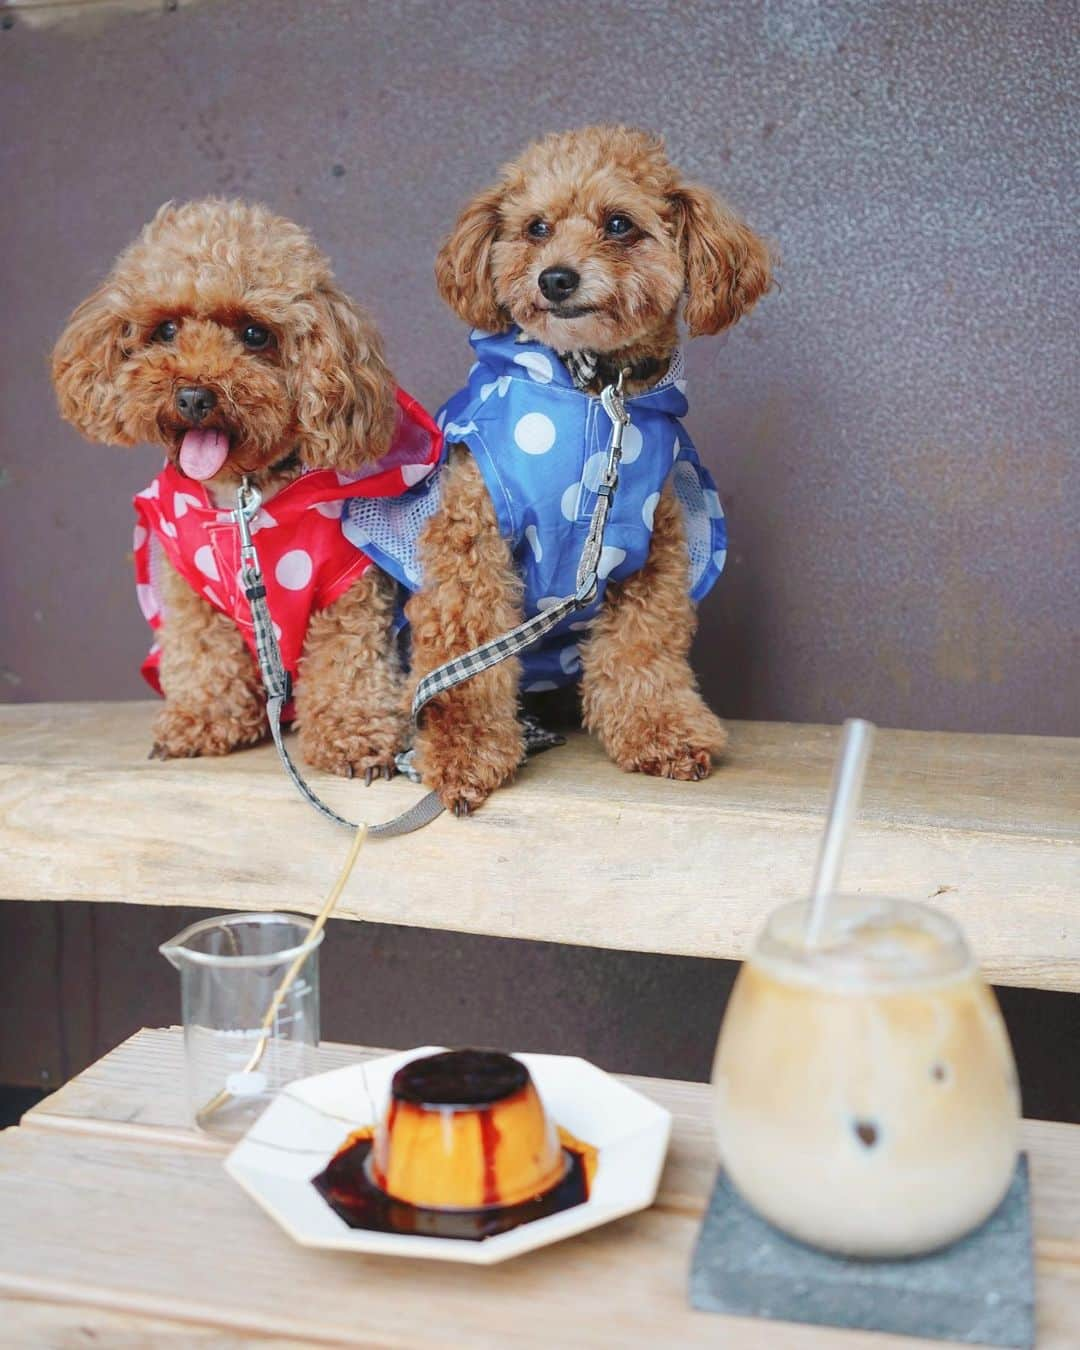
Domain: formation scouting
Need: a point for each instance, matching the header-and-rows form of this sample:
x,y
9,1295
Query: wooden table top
x,y
118,1222
988,827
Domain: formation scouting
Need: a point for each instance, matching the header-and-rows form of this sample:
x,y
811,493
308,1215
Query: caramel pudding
x,y
465,1129
464,1149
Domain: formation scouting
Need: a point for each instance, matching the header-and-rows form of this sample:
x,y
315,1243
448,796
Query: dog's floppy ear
x,y
344,392
85,362
463,265
728,267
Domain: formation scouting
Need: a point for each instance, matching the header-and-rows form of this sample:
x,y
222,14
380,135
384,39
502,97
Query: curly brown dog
x,y
221,336
589,243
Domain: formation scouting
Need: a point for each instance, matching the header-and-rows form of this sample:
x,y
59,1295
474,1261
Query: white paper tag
x,y
246,1084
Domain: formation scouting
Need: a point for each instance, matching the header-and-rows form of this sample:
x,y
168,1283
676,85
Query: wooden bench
x,y
117,1222
575,851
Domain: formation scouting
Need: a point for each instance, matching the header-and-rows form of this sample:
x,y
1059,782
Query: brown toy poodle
x,y
584,251
221,336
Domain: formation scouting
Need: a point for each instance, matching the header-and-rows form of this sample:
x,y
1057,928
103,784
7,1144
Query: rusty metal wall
x,y
894,433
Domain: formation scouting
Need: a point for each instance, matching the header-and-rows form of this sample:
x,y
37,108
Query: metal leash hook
x,y
611,400
248,501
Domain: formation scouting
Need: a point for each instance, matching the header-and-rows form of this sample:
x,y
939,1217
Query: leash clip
x,y
612,400
248,501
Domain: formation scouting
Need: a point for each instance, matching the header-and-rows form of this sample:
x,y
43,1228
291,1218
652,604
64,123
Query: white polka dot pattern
x,y
147,599
534,433
502,384
610,558
570,660
207,563
594,470
631,444
538,365
294,569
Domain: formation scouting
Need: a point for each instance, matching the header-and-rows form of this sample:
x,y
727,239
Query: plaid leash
x,y
278,685
276,679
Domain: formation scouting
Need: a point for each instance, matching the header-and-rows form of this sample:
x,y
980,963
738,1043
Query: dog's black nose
x,y
558,283
194,401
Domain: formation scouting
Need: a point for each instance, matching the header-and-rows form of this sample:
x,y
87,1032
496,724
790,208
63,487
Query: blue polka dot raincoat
x,y
541,445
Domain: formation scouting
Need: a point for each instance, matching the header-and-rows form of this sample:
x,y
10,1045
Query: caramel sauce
x,y
347,1187
468,1078
489,1142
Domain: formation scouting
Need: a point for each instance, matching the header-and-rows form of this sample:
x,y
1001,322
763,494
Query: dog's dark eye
x,y
618,227
165,331
538,229
255,337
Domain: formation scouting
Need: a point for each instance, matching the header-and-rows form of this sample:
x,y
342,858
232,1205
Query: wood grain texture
x,y
575,851
44,13
109,1227
29,1323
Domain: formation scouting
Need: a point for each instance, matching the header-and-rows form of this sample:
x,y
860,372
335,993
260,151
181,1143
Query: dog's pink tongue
x,y
203,452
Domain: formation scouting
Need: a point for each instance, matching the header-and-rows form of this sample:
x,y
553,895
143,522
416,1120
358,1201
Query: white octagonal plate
x,y
304,1127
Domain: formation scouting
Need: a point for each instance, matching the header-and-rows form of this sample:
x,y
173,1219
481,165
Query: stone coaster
x,y
981,1290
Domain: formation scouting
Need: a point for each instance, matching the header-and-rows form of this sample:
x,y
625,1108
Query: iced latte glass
x,y
865,1092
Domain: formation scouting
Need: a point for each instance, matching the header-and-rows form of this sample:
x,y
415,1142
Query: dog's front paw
x,y
679,747
466,767
352,748
185,733
686,762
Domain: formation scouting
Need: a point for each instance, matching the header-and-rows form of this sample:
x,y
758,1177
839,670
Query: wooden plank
x,y
44,13
575,851
139,1087
118,1223
32,1325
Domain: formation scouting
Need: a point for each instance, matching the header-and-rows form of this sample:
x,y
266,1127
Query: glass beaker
x,y
864,1087
231,967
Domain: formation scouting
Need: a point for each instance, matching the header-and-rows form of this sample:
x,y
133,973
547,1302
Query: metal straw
x,y
847,783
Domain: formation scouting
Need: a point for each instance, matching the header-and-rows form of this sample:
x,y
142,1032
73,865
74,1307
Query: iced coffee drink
x,y
865,1092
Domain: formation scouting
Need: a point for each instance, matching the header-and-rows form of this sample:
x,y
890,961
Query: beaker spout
x,y
177,951
172,952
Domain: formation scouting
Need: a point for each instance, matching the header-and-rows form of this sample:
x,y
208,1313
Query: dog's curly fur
x,y
319,395
686,248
